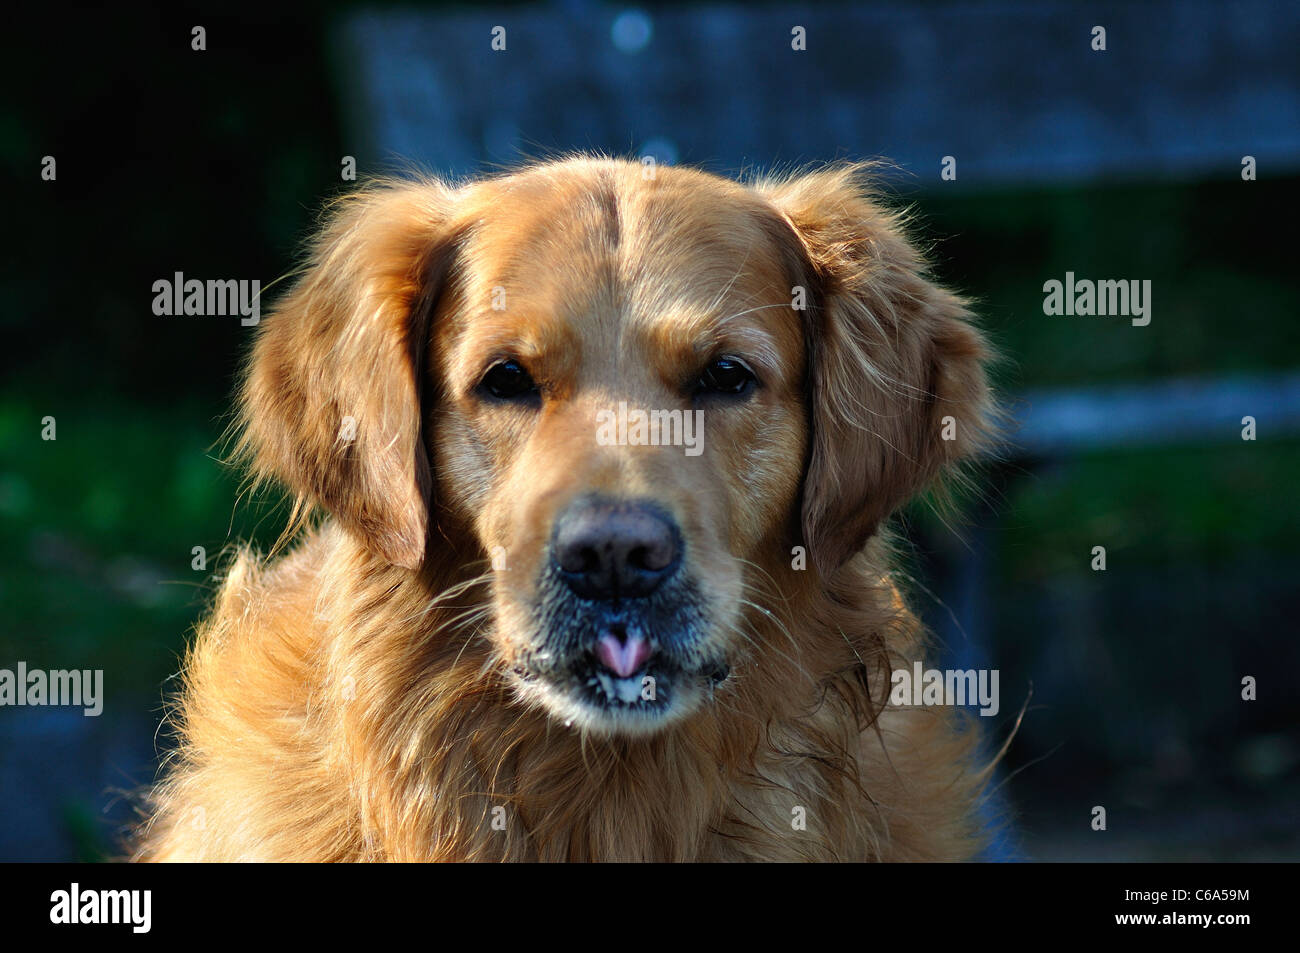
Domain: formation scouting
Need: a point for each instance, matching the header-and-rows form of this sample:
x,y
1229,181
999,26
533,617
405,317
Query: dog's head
x,y
641,393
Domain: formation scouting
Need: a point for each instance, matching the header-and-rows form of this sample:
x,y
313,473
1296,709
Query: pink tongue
x,y
622,657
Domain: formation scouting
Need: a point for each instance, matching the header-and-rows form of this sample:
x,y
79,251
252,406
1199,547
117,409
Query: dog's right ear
x,y
331,403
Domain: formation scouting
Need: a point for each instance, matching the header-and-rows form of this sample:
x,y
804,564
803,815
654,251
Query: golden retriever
x,y
530,626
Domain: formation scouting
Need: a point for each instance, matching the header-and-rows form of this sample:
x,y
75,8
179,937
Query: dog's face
x,y
596,308
642,394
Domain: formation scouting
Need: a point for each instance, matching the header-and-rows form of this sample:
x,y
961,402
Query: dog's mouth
x,y
619,666
625,680
628,676
648,688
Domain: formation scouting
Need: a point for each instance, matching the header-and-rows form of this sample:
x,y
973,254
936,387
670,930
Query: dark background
x,y
216,163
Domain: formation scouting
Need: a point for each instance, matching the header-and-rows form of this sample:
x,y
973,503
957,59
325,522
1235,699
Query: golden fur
x,y
355,698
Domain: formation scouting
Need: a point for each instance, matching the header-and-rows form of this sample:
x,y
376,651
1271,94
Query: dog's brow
x,y
745,329
492,336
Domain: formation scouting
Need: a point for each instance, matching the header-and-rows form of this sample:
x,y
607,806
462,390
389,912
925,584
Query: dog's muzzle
x,y
621,621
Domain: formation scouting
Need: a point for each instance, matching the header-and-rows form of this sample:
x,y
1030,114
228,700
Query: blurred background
x,y
1124,163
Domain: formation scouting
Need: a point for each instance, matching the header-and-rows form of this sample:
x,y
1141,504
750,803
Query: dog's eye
x,y
508,380
726,375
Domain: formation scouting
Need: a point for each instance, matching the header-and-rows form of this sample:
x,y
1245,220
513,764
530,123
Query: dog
x,y
517,622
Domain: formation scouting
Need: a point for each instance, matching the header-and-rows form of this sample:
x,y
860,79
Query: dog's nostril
x,y
654,556
610,550
580,559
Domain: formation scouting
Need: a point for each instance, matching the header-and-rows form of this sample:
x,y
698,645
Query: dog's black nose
x,y
614,550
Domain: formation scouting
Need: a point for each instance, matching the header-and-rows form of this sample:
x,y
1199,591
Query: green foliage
x,y
100,524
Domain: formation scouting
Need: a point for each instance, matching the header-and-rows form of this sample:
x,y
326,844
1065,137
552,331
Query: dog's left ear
x,y
898,387
331,405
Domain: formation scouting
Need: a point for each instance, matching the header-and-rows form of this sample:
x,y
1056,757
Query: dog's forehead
x,y
674,258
